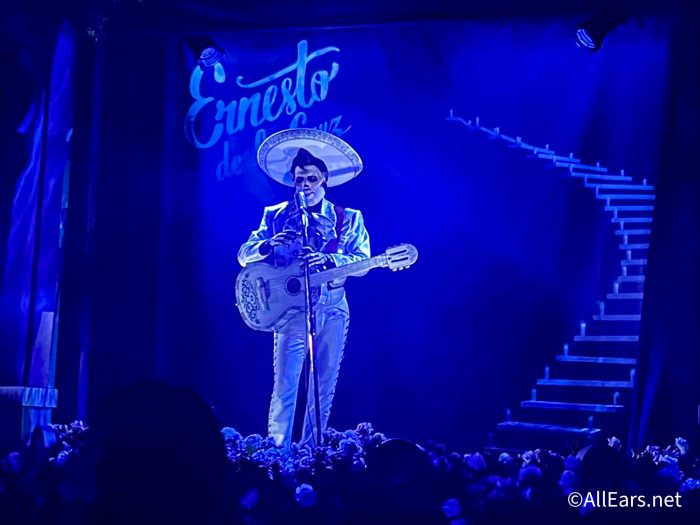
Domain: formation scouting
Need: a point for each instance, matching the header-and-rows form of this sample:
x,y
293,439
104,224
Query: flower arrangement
x,y
340,450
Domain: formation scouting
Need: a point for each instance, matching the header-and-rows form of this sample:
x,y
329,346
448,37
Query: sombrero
x,y
277,151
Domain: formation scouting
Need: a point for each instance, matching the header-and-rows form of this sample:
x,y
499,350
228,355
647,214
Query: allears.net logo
x,y
224,106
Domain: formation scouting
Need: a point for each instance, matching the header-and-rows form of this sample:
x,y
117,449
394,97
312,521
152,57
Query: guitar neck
x,y
347,270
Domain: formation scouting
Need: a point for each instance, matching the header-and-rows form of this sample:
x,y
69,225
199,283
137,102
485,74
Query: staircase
x,y
585,392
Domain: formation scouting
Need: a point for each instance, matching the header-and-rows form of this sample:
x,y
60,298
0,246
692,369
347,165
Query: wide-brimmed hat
x,y
276,153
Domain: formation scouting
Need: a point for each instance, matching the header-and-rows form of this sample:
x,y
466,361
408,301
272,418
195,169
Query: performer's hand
x,y
283,238
316,258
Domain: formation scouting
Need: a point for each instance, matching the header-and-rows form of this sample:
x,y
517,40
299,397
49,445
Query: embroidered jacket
x,y
353,244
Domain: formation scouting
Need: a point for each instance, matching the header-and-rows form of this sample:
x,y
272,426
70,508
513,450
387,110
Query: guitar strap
x,y
332,246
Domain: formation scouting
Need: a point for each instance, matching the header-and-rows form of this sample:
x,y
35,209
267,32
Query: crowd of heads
x,y
156,454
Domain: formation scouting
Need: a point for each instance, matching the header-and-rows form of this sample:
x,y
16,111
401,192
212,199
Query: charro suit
x,y
332,313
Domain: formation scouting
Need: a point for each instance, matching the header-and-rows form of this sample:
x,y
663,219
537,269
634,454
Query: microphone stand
x,y
310,320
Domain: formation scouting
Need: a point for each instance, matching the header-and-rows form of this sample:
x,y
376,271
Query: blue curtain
x,y
32,263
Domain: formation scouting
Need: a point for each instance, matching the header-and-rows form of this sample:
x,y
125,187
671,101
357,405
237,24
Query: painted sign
x,y
230,106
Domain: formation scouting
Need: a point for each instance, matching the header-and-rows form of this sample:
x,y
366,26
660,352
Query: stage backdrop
x,y
512,255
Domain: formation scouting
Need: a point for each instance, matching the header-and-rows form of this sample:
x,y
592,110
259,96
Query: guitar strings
x,y
279,284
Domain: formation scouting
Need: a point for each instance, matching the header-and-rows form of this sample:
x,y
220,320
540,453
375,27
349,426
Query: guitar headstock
x,y
400,257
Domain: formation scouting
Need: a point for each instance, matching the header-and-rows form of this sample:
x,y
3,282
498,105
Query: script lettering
x,y
258,102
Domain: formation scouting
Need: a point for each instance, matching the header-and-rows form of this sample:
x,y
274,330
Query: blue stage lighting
x,y
212,57
591,33
583,39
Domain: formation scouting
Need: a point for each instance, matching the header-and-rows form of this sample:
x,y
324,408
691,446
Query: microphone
x,y
300,200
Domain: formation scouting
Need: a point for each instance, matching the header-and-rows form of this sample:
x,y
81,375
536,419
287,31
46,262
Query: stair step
x,y
569,394
634,262
632,232
639,295
595,176
637,246
626,196
629,208
596,359
518,142
607,338
581,407
582,370
617,317
630,279
558,158
621,187
582,170
543,427
631,219
593,383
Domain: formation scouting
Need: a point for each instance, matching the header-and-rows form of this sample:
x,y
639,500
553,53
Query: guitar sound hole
x,y
293,286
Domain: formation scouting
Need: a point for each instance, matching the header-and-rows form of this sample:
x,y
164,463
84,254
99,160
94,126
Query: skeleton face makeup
x,y
309,180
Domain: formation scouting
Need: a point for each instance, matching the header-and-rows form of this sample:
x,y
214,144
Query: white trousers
x,y
332,324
